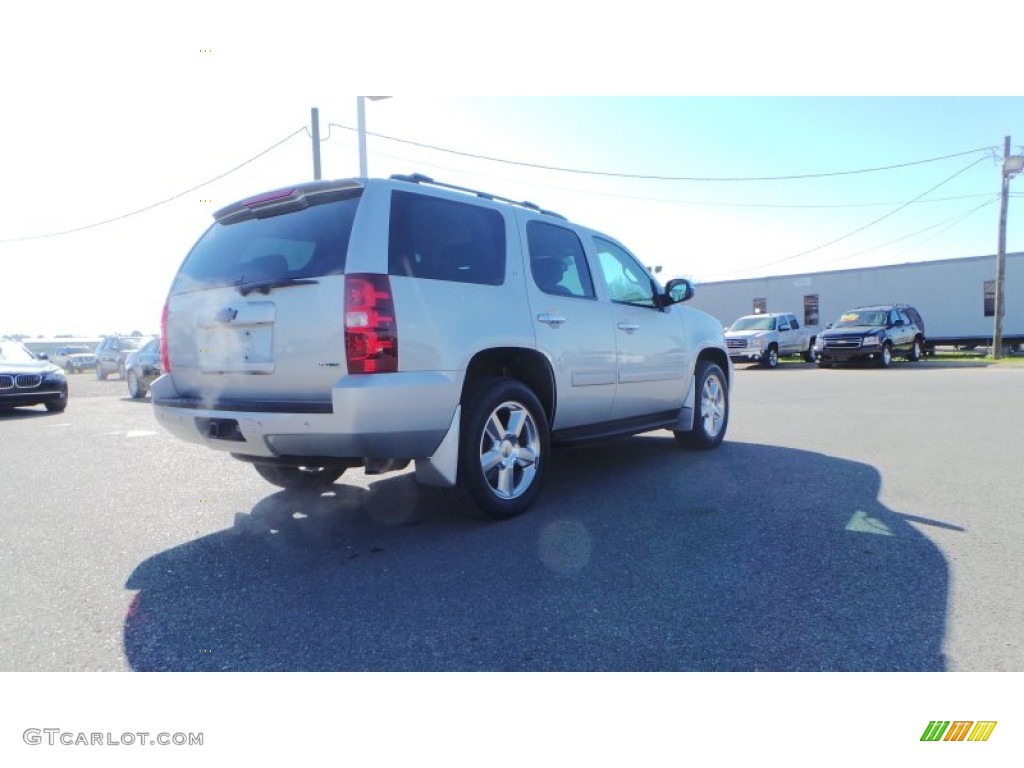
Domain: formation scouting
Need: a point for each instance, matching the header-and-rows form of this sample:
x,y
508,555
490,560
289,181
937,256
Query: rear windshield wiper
x,y
266,286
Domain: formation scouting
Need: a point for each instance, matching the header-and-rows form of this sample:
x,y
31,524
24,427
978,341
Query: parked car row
x,y
875,334
135,359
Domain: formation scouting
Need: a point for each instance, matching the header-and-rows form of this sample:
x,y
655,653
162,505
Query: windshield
x,y
14,352
77,351
754,323
871,318
132,342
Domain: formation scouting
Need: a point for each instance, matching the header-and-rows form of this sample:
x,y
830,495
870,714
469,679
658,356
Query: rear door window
x,y
438,239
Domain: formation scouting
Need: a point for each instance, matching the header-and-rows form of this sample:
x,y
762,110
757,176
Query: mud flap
x,y
442,469
685,421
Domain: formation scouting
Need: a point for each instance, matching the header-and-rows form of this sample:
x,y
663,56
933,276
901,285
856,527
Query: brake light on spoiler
x,y
371,332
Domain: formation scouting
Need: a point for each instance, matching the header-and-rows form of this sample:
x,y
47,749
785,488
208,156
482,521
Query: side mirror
x,y
42,356
678,290
784,327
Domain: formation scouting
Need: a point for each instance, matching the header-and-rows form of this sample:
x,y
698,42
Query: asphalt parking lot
x,y
854,519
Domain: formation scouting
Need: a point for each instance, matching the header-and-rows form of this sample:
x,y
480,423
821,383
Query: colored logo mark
x,y
959,730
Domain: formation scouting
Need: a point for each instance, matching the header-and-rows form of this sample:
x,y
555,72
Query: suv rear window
x,y
439,239
300,244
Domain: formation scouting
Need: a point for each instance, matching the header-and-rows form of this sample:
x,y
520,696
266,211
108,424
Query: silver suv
x,y
374,322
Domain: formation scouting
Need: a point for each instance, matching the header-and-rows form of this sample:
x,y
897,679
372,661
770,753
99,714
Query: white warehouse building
x,y
956,297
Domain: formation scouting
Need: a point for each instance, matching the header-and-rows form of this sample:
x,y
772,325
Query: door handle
x,y
553,320
629,327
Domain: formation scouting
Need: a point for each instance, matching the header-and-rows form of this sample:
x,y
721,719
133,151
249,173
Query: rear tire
x,y
503,449
810,355
300,478
915,352
711,409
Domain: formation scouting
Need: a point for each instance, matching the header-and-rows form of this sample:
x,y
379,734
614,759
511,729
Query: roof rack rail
x,y
419,178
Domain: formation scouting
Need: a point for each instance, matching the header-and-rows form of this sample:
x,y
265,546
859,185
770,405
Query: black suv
x,y
875,334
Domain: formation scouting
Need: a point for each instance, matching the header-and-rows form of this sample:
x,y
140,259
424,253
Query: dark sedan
x,y
142,366
26,379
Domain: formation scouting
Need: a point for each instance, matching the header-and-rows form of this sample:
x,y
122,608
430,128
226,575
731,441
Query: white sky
x,y
111,108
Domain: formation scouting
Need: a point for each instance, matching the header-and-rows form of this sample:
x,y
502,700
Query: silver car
x,y
371,323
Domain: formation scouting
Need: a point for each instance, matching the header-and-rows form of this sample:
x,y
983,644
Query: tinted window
x,y
557,261
299,244
439,239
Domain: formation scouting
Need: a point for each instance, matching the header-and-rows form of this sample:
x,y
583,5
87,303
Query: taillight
x,y
371,333
165,358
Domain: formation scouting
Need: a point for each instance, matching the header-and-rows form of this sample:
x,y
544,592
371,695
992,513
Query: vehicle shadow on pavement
x,y
637,557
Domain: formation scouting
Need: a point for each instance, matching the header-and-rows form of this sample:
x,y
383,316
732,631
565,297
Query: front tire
x,y
300,478
58,405
135,387
503,449
100,373
771,357
711,409
885,356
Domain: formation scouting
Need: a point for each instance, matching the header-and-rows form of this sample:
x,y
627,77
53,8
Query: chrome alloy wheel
x,y
712,406
509,450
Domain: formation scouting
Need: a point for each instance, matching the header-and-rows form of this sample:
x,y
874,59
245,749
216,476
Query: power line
x,y
155,205
662,178
952,221
859,229
676,201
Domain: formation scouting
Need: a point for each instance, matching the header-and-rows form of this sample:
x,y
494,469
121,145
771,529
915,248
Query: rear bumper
x,y
396,415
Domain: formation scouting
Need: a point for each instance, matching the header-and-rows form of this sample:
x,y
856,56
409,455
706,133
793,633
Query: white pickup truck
x,y
766,337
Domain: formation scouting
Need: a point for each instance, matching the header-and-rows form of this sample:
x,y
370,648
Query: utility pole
x,y
315,119
1011,167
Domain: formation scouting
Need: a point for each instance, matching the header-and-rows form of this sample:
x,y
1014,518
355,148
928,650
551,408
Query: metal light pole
x,y
361,116
1011,167
315,120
